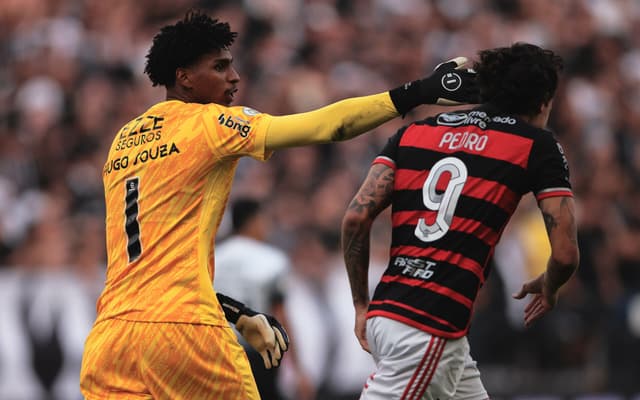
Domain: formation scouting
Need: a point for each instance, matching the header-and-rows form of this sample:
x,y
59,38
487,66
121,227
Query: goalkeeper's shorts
x,y
146,360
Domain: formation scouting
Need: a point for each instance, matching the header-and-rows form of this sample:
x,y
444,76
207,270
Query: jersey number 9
x,y
443,203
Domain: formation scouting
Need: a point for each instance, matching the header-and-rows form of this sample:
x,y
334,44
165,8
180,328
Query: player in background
x,y
160,331
453,181
255,273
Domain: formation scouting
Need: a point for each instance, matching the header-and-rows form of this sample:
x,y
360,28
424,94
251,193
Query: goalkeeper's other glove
x,y
263,332
449,84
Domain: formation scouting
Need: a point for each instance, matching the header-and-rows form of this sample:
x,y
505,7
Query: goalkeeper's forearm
x,y
338,121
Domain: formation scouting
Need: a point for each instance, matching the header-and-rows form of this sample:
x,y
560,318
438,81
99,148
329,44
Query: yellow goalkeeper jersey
x,y
167,180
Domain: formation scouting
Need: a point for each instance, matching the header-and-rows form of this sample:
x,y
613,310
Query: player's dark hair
x,y
518,79
182,45
242,210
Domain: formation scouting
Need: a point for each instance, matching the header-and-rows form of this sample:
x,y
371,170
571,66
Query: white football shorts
x,y
414,365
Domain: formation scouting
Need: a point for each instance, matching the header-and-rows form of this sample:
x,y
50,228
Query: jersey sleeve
x,y
237,131
388,155
548,168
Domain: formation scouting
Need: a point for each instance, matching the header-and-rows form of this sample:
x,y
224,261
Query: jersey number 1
x,y
131,225
444,203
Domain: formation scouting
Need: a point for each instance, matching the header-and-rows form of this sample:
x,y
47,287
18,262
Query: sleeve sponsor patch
x,y
241,125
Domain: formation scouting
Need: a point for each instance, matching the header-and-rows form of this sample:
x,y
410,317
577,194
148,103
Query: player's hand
x,y
542,302
451,83
266,335
262,331
361,328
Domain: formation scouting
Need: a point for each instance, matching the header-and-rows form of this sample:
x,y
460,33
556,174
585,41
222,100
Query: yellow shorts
x,y
147,360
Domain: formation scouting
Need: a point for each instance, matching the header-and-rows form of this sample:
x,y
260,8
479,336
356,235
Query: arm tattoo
x,y
571,229
356,257
549,222
373,197
375,193
559,270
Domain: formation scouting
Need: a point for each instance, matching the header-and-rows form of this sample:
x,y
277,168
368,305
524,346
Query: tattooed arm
x,y
373,197
559,219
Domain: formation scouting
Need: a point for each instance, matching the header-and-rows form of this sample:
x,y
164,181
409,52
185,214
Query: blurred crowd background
x,y
71,75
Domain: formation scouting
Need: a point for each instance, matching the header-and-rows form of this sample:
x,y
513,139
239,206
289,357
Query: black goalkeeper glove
x,y
449,84
263,332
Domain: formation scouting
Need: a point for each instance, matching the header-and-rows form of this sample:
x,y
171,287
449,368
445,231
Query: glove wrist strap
x,y
406,97
233,309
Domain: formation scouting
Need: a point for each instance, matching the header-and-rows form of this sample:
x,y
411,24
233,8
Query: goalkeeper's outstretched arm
x,y
450,84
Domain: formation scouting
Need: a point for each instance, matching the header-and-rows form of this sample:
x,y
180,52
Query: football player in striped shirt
x,y
453,181
160,331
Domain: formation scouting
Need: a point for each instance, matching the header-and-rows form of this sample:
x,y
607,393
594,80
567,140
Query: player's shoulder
x,y
184,108
240,112
236,117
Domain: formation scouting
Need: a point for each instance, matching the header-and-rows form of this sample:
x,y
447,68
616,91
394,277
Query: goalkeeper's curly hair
x,y
182,45
518,79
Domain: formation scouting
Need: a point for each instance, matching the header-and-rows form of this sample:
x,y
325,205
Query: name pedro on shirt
x,y
463,140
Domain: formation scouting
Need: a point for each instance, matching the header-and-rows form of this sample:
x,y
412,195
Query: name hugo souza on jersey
x,y
154,153
242,126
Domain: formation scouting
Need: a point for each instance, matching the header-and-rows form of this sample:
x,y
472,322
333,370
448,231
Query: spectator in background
x,y
46,312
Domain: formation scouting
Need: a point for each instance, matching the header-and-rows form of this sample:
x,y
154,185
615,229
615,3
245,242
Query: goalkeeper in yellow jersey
x,y
161,331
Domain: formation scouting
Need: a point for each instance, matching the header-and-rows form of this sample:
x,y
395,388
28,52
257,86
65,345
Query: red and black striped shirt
x,y
458,179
